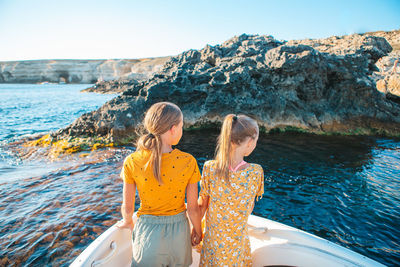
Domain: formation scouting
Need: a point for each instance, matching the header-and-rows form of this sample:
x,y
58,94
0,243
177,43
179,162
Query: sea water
x,y
342,188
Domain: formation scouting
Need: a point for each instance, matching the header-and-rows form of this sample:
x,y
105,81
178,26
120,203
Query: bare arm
x,y
203,205
128,206
193,207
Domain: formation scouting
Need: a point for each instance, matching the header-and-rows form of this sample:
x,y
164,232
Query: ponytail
x,y
235,130
158,119
153,144
224,148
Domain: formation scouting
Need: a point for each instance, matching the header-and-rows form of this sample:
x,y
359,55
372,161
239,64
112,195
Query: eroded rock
x,y
319,86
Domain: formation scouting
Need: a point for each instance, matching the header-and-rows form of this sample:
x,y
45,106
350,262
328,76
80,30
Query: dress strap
x,y
238,166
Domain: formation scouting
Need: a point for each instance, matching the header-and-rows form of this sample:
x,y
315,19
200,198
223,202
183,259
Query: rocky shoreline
x,y
322,86
111,87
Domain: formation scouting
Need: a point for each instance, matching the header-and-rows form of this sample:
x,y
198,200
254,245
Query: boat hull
x,y
271,243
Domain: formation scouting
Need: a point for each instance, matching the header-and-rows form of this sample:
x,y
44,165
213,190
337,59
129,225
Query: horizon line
x,y
142,58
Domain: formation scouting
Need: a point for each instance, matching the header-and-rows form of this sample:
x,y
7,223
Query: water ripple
x,y
343,188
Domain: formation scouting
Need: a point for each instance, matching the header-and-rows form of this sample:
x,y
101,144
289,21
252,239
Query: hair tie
x,y
235,118
151,135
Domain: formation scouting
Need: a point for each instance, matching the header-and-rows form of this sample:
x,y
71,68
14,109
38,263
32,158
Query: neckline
x,y
169,153
237,166
239,171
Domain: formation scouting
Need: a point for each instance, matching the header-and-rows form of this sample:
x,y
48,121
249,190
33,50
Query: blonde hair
x,y
235,130
159,118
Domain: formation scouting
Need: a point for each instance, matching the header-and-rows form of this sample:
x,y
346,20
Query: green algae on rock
x,y
58,146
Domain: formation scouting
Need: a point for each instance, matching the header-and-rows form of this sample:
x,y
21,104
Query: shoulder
x,y
256,167
129,163
209,167
256,172
184,155
129,158
184,158
209,164
135,157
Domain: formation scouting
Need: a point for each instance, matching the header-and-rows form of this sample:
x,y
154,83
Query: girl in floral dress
x,y
229,186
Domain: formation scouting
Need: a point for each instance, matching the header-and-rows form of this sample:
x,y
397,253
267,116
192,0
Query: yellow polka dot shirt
x,y
178,169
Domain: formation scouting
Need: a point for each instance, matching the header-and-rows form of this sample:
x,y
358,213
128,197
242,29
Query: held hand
x,y
124,224
196,238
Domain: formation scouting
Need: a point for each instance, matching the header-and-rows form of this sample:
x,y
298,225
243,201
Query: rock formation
x,y
388,75
393,37
112,87
319,86
389,84
78,71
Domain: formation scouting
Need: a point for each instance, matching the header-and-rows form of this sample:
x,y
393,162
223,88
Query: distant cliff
x,y
78,71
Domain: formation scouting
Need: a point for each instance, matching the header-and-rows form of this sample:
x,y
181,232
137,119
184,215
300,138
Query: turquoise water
x,y
29,109
345,189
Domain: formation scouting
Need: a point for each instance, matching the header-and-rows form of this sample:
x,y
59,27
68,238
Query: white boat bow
x,y
272,244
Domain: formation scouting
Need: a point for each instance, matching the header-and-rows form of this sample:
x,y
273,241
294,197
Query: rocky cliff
x,y
388,75
78,71
319,86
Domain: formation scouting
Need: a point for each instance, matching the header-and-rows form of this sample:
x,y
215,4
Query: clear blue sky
x,y
86,29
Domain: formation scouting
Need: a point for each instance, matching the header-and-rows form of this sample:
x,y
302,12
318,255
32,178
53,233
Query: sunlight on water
x,y
345,189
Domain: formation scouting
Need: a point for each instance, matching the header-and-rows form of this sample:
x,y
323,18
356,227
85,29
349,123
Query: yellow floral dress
x,y
226,241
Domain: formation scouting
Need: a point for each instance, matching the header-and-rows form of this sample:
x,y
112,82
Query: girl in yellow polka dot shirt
x,y
162,175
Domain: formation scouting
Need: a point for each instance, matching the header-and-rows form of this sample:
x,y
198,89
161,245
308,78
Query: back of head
x,y
159,118
235,130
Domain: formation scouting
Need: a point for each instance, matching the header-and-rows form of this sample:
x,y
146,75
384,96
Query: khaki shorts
x,y
162,241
